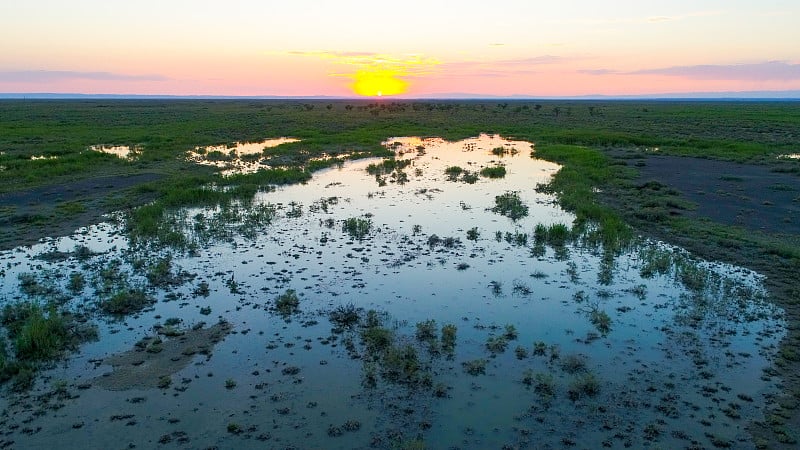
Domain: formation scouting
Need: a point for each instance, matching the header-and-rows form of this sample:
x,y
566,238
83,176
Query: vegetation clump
x,y
584,385
76,282
556,235
510,205
453,172
494,172
449,338
496,344
573,364
475,367
345,316
601,320
427,331
470,177
357,227
287,303
127,301
388,166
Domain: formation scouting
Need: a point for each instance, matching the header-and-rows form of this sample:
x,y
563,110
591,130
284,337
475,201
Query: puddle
x,y
488,330
790,156
239,157
120,151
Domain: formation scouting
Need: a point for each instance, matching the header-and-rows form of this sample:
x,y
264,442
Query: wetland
x,y
394,277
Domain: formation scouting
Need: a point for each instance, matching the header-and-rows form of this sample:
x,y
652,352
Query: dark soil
x,y
749,196
27,215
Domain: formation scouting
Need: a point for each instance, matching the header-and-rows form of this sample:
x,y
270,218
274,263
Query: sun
x,y
378,83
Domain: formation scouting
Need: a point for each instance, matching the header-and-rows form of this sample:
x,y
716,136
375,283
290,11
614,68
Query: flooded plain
x,y
438,299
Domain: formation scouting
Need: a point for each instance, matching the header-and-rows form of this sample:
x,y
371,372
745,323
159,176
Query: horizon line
x,y
713,95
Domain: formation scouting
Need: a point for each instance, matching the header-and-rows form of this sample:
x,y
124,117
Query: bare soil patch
x,y
746,195
146,367
58,210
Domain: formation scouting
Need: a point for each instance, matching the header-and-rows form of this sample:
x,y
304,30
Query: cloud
x,y
771,70
329,55
658,19
409,65
644,20
52,76
599,72
764,71
500,68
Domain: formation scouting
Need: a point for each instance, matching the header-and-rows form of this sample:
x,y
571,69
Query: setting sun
x,y
378,83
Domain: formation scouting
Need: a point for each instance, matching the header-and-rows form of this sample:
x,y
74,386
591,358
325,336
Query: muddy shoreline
x,y
26,214
751,197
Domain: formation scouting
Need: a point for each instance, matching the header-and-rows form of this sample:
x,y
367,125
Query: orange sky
x,y
411,48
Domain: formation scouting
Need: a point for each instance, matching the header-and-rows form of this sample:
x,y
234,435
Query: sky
x,y
398,48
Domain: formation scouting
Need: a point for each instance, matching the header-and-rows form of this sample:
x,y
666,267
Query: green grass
x,y
37,334
350,129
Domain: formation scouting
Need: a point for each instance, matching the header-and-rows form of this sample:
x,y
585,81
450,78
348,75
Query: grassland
x,y
597,143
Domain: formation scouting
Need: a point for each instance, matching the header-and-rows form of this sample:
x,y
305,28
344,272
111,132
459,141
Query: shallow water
x,y
120,151
233,158
676,365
